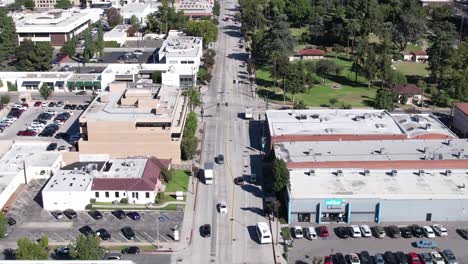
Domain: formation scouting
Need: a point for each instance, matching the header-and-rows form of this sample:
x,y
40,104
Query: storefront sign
x,y
334,202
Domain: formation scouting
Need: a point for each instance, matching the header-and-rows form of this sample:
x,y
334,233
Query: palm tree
x,y
353,27
194,97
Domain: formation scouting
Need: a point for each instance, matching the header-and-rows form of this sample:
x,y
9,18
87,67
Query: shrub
x,y
167,175
12,87
92,200
111,44
124,201
89,207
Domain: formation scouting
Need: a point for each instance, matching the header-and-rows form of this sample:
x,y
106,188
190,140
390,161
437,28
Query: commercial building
x,y
54,26
44,4
134,179
195,8
460,118
135,119
137,9
4,3
370,165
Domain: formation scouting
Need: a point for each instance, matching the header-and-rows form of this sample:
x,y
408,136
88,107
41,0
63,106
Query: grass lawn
x,y
411,68
297,32
355,94
179,182
413,47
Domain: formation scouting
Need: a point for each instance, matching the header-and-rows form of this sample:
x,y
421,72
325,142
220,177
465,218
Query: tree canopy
x,y
113,17
165,19
87,248
31,250
8,38
280,173
63,4
205,29
33,56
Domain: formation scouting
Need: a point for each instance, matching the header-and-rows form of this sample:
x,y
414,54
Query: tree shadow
x,y
232,33
256,210
238,56
343,80
270,95
256,191
366,100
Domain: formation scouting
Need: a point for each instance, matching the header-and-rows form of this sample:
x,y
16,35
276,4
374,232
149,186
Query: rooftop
x,y
311,52
324,122
463,107
117,32
380,184
36,75
179,45
407,89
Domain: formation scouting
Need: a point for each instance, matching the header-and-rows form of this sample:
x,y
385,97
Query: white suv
x,y
366,231
440,230
298,232
428,232
356,231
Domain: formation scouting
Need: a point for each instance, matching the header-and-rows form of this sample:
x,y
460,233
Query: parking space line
x,y
148,237
123,236
163,237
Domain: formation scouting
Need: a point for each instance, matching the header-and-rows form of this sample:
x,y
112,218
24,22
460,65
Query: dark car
x,y
417,231
338,258
220,159
134,215
322,231
62,251
463,232
51,104
426,258
95,214
70,214
67,106
57,214
205,230
405,232
393,231
62,135
131,250
365,257
11,221
119,214
103,234
73,107
52,146
128,233
81,93
390,258
86,230
401,257
342,232
80,107
239,180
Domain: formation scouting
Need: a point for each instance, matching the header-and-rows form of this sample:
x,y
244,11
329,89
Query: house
x,y
407,56
311,54
412,92
460,118
419,56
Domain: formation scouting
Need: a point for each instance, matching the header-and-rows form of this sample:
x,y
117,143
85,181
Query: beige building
x,y
135,119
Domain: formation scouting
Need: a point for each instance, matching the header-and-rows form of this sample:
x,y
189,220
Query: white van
x,y
310,233
263,232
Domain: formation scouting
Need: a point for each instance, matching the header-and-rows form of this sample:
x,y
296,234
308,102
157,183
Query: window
x,y
96,194
303,217
163,125
133,195
147,195
191,62
107,194
116,194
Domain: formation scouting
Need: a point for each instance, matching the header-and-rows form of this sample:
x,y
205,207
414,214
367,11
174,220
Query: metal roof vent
x,y
449,142
428,126
310,152
421,172
426,150
339,173
312,173
461,154
366,173
394,173
448,173
382,151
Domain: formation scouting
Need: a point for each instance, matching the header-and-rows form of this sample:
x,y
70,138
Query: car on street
x,y
11,221
463,232
86,230
239,180
103,234
128,233
309,233
120,214
426,244
57,214
342,232
222,207
440,230
26,133
112,256
379,231
205,230
51,146
328,260
417,231
70,214
323,231
59,104
297,232
134,215
406,232
62,135
37,103
95,214
401,257
62,148
390,258
426,258
356,231
220,159
414,258
131,250
365,257
428,232
44,104
366,231
437,258
51,104
449,256
338,258
62,251
379,259
138,52
81,93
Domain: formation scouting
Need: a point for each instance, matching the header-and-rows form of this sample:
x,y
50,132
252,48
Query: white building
x,y
137,9
4,3
73,186
195,8
54,26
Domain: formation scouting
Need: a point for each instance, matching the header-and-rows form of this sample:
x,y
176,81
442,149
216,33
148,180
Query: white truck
x,y
208,172
248,113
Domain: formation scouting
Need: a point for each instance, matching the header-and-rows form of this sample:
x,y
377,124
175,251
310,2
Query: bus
x,y
263,232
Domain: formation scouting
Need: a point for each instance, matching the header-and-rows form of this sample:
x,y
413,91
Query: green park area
x,y
412,68
179,182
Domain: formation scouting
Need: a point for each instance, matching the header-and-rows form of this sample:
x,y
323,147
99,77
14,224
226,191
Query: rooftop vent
x,y
428,126
382,151
426,150
366,116
461,154
339,173
310,152
366,173
312,173
394,173
449,142
421,172
315,116
448,173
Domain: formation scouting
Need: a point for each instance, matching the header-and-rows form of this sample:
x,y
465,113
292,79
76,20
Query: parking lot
x,y
33,221
70,126
304,250
113,57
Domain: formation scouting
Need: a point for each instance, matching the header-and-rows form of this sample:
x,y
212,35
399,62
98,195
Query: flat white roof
x,y
379,184
179,45
124,169
352,122
372,150
69,180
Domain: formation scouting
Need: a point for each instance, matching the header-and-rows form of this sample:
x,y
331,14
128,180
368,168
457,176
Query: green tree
x,y
63,4
396,77
323,68
45,91
113,17
295,79
156,77
4,99
8,38
29,4
30,250
353,27
33,57
441,49
278,41
384,99
253,14
100,40
216,8
166,174
69,47
190,125
299,104
409,25
298,11
165,19
205,29
280,174
193,96
204,76
87,248
134,20
188,147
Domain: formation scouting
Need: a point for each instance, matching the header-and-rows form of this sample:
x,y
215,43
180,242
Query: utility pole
x,y
24,172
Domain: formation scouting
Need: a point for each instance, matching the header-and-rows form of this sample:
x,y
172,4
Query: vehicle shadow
x,y
253,234
252,189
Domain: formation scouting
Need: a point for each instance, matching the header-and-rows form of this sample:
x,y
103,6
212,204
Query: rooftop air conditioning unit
x,y
421,172
426,150
448,173
339,173
449,142
312,173
366,173
311,152
394,173
461,154
382,151
428,126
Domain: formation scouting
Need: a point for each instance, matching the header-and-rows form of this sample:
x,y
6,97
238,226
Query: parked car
x,y
366,231
220,159
73,107
51,146
59,104
51,104
394,231
62,148
463,232
338,258
365,257
134,215
103,234
328,260
239,180
86,230
120,214
81,93
379,231
131,250
11,221
297,232
222,207
26,133
426,244
356,232
426,258
401,257
417,231
342,232
440,230
437,258
353,258
37,103
449,256
390,258
57,214
128,233
378,259
413,258
70,214
428,232
138,52
323,231
112,256
405,232
62,251
44,104
95,214
205,230
309,232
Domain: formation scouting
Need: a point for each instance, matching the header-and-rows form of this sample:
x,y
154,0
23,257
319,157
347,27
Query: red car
x,y
414,259
323,231
26,105
27,133
38,103
328,260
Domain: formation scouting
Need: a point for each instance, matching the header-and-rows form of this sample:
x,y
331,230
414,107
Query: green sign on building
x,y
334,202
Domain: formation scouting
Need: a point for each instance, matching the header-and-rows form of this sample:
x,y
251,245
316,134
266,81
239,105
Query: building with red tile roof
x,y
460,118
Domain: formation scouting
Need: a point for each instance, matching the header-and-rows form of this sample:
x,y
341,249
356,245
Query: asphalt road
x,y
233,238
